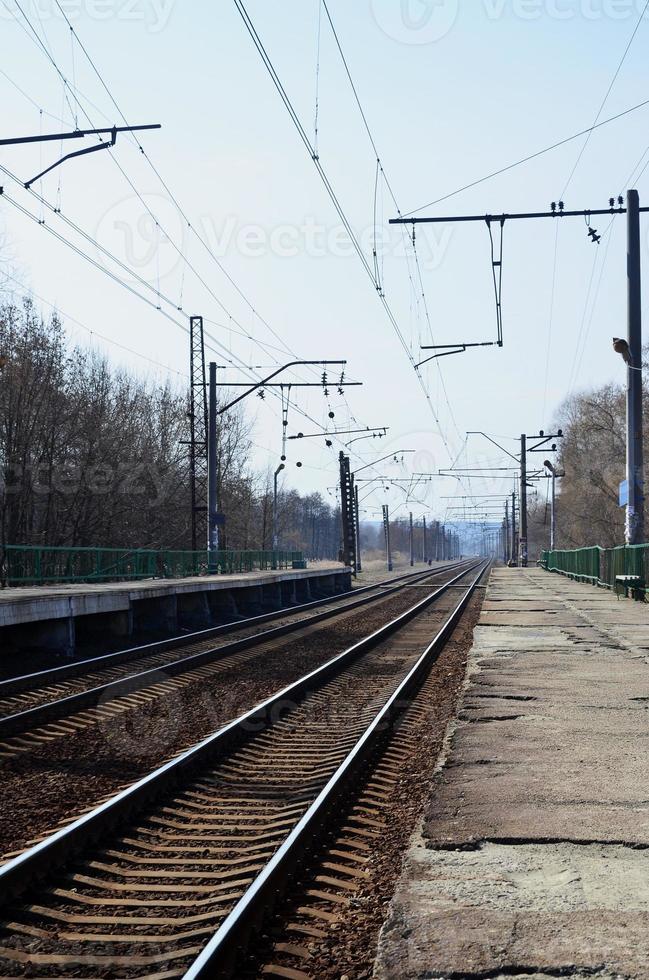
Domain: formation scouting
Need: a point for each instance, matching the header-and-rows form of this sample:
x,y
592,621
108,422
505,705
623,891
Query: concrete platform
x,y
55,617
533,856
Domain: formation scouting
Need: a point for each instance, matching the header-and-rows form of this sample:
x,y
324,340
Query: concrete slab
x,y
59,619
32,603
533,856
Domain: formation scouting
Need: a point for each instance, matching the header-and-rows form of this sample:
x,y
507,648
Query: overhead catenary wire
x,y
268,64
216,346
526,159
606,96
27,292
161,296
35,36
181,211
68,89
75,97
203,242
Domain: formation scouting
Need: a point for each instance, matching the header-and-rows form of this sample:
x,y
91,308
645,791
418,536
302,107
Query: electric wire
x,y
527,159
90,60
172,196
605,99
268,64
73,94
27,293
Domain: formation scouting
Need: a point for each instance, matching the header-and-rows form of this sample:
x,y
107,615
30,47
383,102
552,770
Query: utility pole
x,y
513,548
549,465
197,430
213,516
348,513
359,567
275,533
506,550
553,511
425,545
634,527
412,544
386,532
522,542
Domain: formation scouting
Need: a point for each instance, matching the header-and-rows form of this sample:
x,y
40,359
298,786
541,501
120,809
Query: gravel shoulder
x,y
59,780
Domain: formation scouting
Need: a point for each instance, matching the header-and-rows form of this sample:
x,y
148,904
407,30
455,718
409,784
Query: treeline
x,y
92,455
593,456
435,545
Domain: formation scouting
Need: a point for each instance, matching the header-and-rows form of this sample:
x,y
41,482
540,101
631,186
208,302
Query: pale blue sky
x,y
451,92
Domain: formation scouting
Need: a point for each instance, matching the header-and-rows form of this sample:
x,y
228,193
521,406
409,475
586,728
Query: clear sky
x,y
451,91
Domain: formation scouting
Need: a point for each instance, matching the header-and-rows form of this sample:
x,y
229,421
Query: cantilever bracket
x,y
454,349
75,135
76,153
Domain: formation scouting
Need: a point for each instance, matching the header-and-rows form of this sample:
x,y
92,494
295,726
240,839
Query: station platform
x,y
532,858
56,617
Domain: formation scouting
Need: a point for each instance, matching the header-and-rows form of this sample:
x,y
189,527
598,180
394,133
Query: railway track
x,y
168,877
62,700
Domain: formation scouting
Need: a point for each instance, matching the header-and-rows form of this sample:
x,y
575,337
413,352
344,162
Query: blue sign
x,y
624,493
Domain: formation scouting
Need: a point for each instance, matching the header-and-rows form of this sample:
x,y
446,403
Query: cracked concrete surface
x,y
533,857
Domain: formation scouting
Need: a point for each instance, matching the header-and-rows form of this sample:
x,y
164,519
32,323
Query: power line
x,y
165,186
216,347
74,95
268,64
605,99
527,159
172,196
219,348
27,293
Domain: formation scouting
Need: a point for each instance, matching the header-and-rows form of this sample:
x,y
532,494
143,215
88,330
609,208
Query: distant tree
x,y
91,455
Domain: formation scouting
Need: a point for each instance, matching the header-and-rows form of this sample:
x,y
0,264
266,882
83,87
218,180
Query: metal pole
x,y
634,529
425,554
553,512
275,531
274,537
359,567
506,531
386,529
212,482
513,547
522,544
348,513
412,544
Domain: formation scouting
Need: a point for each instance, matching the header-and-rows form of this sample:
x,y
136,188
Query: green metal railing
x,y
35,565
599,566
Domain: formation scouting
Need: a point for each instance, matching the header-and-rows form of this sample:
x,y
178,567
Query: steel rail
x,y
32,718
219,955
22,871
52,675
